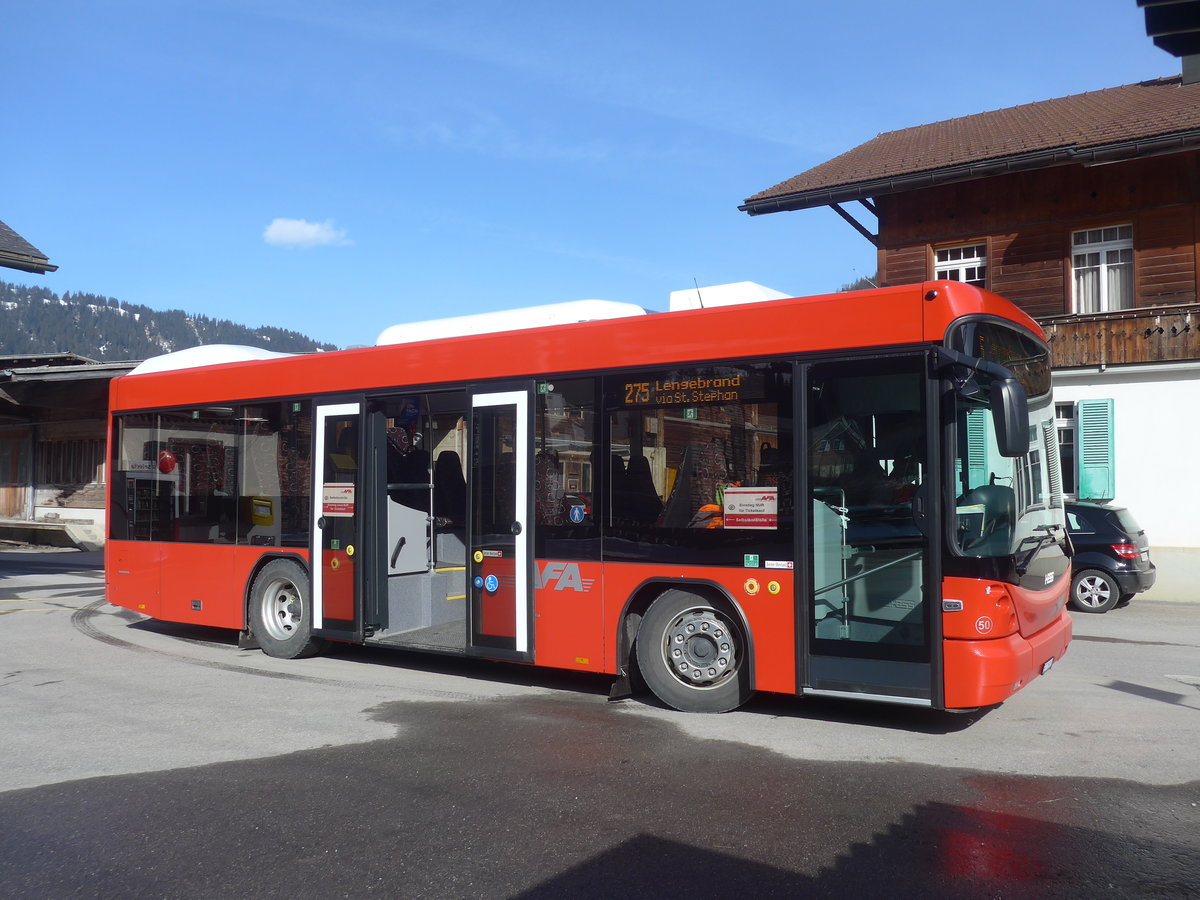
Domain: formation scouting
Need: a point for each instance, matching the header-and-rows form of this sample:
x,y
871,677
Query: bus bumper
x,y
987,672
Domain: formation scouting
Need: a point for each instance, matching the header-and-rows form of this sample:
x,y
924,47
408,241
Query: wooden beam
x,y
855,224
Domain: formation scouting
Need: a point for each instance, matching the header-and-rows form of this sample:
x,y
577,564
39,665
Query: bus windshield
x,y
1004,503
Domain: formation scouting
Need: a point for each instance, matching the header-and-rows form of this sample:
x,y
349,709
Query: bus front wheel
x,y
281,611
692,654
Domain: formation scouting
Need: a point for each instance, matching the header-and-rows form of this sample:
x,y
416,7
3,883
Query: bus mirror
x,y
1010,414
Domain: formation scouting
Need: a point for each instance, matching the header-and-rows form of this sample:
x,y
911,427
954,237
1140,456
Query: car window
x,y
1126,521
1077,522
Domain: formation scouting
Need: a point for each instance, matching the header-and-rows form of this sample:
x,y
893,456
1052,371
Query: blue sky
x,y
336,168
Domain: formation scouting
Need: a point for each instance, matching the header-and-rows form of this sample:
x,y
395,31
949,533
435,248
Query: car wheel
x,y
1093,591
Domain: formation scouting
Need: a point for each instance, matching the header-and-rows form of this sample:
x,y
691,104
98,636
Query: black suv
x,y
1112,557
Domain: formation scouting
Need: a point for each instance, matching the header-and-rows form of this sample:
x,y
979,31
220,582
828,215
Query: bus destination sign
x,y
694,388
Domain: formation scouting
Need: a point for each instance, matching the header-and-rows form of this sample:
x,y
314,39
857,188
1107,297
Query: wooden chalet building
x,y
52,432
1084,211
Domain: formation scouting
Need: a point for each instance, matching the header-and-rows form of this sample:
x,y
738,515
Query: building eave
x,y
1103,154
39,265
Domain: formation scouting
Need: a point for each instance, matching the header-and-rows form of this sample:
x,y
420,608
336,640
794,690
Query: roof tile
x,y
1162,106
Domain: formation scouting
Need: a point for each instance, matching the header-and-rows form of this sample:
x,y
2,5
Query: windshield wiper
x,y
1048,537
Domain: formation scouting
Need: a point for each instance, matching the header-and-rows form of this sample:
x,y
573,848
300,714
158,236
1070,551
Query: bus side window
x,y
701,464
565,456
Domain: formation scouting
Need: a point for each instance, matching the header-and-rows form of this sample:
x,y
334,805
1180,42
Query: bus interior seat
x,y
639,501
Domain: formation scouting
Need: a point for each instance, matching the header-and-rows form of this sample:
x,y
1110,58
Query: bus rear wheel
x,y
281,611
692,654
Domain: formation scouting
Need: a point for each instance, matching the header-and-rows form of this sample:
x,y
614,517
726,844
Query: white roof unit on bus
x,y
509,320
204,355
724,295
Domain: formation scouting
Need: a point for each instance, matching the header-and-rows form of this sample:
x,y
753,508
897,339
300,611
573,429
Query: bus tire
x,y
281,611
693,654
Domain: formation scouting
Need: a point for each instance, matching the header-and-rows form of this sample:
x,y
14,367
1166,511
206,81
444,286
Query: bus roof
x,y
905,315
204,355
568,313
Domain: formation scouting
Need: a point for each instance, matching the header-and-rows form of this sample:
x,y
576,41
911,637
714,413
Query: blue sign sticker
x,y
491,583
577,514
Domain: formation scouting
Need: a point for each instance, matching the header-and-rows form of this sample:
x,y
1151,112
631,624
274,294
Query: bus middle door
x,y
500,611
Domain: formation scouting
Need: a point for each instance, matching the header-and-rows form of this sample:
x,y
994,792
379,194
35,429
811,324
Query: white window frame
x,y
1099,252
963,262
1064,419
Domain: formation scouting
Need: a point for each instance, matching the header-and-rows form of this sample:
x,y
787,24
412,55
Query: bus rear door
x,y
337,520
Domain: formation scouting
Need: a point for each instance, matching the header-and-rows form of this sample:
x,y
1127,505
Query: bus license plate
x,y
1047,665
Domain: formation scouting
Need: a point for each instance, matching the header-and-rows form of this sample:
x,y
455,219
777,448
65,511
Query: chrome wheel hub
x,y
283,610
700,649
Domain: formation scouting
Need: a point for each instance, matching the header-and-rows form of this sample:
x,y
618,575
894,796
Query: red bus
x,y
855,495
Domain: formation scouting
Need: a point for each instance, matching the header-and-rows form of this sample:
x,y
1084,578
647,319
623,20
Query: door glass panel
x,y
866,460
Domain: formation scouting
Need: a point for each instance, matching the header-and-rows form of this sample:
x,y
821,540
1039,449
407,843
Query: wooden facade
x,y
1026,220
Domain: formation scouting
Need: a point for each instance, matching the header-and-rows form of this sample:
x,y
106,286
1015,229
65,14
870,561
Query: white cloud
x,y
301,233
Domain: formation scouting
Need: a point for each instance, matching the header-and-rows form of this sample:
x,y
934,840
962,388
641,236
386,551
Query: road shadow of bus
x,y
850,712
193,634
870,714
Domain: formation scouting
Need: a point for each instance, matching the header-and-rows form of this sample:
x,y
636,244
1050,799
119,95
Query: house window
x,y
1103,262
1064,414
967,263
70,462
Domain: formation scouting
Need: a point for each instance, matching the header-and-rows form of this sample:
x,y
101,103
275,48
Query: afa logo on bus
x,y
563,576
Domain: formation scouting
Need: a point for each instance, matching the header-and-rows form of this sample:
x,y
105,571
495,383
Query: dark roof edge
x,y
67,373
26,263
1042,159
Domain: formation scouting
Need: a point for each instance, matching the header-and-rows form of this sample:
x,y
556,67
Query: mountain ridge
x,y
35,320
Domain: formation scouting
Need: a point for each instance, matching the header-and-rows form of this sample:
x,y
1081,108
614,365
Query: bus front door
x,y
869,628
337,513
498,563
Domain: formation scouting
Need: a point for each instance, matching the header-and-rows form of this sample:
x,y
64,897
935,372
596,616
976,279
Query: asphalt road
x,y
149,760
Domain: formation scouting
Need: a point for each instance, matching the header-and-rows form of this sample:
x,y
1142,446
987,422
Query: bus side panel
x,y
767,597
133,572
764,595
199,586
568,615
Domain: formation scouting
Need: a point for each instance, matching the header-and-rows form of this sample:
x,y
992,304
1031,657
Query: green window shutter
x,y
977,447
1097,472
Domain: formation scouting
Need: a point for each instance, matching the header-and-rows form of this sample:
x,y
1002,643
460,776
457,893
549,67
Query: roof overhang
x,y
40,374
36,391
39,265
18,253
1103,154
